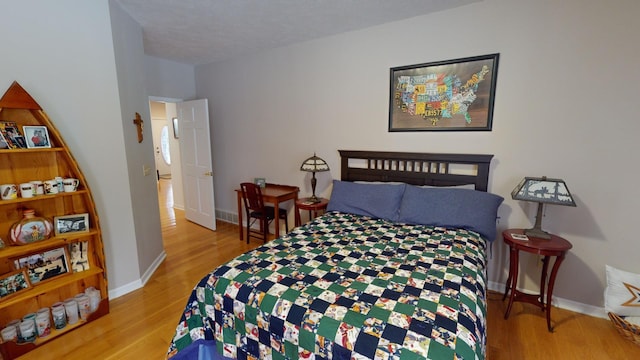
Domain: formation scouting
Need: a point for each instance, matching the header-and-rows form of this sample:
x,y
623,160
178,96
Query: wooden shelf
x,y
17,250
41,197
21,165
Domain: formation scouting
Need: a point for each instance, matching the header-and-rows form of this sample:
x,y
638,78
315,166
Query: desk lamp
x,y
543,191
313,165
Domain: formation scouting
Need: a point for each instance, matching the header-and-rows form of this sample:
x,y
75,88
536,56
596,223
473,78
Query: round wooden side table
x,y
313,208
556,246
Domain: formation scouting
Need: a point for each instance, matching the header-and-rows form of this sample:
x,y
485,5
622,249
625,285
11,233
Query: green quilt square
x,y
379,313
263,274
228,335
418,275
439,351
379,261
290,350
307,340
427,305
276,355
464,349
400,279
328,327
379,282
305,269
221,285
240,326
208,296
325,267
250,314
406,309
313,290
363,263
358,285
284,270
445,300
267,303
290,294
406,354
344,264
242,277
354,318
338,289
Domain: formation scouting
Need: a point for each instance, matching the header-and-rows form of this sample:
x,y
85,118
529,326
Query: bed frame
x,y
416,168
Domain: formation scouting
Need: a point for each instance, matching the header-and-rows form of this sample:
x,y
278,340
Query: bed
x,y
395,269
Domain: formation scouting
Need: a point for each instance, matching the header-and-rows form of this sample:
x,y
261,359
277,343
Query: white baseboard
x,y
125,289
137,284
570,305
154,266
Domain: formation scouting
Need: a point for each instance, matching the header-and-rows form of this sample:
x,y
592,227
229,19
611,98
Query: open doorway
x,y
166,145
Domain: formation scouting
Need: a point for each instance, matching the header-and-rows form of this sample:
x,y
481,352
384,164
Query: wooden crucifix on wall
x,y
139,123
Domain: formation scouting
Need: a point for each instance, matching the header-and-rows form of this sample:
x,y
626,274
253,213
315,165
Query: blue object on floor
x,y
199,350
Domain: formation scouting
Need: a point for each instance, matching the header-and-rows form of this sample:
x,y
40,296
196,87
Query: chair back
x,y
252,196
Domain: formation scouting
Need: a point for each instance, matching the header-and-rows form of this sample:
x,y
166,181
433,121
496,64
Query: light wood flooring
x,y
141,323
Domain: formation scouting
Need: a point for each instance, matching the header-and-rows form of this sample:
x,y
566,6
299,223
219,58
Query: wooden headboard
x,y
416,168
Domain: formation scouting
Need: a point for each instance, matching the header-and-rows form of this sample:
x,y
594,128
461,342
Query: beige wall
x,y
565,107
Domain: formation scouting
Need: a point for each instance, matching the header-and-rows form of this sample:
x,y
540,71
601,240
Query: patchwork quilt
x,y
346,287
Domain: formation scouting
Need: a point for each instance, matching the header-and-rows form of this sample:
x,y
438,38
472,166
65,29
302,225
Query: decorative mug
x,y
8,191
51,187
38,187
26,190
70,184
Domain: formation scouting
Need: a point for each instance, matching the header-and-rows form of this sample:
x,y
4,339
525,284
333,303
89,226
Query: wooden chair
x,y
256,210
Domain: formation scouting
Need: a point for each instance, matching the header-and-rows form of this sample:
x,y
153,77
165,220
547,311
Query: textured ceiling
x,y
204,31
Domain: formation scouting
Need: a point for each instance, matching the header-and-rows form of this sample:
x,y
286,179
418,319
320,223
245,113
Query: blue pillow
x,y
451,208
380,201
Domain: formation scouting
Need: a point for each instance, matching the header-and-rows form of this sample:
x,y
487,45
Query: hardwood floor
x,y
141,323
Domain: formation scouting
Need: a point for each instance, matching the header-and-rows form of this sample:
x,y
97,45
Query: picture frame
x,y
45,265
450,95
12,136
79,256
262,182
13,282
176,130
67,224
37,137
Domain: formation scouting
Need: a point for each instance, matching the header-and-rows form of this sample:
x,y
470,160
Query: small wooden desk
x,y
556,246
272,194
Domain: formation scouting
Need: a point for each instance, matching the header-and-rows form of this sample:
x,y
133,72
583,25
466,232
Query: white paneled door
x,y
197,173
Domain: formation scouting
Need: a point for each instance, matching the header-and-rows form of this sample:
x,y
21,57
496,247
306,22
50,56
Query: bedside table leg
x,y
543,280
513,275
552,280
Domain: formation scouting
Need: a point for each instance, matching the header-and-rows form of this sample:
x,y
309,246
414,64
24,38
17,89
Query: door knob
x,y
208,173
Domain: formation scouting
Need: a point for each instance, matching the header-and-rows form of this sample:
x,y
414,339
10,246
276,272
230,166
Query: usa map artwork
x,y
454,95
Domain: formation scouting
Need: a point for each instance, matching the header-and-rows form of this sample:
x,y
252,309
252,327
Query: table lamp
x,y
543,191
313,165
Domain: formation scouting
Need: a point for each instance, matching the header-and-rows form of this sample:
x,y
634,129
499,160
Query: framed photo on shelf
x,y
78,254
12,135
45,265
76,223
444,95
36,137
262,182
13,282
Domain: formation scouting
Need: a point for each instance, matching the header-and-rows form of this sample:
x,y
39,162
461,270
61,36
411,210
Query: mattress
x,y
346,286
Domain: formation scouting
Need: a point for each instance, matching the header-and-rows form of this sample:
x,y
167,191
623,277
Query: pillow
x,y
622,295
452,208
380,201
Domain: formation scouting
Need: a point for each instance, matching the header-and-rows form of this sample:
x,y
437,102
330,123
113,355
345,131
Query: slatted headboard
x,y
416,168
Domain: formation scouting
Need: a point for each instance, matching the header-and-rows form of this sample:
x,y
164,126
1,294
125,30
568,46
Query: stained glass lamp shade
x,y
313,165
543,191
